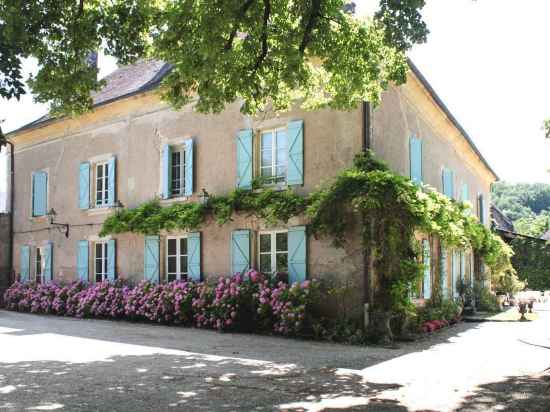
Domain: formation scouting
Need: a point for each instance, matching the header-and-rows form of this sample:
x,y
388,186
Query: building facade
x,y
133,148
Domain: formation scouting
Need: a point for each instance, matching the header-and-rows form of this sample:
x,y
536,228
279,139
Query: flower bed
x,y
239,303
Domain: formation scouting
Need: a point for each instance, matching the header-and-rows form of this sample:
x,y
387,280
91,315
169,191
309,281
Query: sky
x,y
486,59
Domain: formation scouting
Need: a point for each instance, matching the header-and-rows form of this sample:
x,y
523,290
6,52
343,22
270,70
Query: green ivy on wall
x,y
390,207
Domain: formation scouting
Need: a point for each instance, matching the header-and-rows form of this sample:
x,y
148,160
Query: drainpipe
x,y
366,123
6,142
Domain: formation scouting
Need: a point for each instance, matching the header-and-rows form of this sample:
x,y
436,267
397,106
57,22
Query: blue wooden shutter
x,y
111,259
48,272
39,193
426,261
455,272
82,260
297,254
448,177
481,211
188,144
465,193
112,181
25,262
166,171
415,154
295,133
151,270
194,256
84,186
244,159
443,270
240,251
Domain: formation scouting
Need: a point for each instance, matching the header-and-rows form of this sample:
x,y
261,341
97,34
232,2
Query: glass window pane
x,y
265,243
98,266
172,264
99,171
265,263
183,246
171,277
266,157
267,141
281,242
266,171
106,170
281,171
183,264
172,245
98,250
282,262
100,185
281,140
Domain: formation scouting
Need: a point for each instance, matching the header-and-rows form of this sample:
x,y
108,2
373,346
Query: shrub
x,y
239,303
485,300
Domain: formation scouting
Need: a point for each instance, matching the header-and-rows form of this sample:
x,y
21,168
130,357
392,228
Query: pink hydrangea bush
x,y
248,302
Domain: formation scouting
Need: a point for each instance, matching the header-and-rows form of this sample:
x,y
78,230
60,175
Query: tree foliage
x,y
527,205
532,262
265,52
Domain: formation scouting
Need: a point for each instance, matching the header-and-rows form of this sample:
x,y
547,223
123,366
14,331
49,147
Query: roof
x,y
123,82
501,221
449,115
147,74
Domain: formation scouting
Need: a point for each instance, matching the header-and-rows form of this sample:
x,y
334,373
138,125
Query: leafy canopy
x,y
264,52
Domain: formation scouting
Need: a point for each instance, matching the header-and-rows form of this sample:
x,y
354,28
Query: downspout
x,y
366,138
12,192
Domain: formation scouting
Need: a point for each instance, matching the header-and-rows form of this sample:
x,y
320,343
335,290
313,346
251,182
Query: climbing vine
x,y
390,207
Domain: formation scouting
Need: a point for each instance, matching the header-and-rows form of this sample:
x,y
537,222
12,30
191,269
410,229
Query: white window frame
x,y
104,258
274,148
183,159
273,248
179,272
105,188
39,276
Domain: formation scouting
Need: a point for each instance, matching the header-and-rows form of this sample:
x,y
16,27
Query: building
x,y
132,148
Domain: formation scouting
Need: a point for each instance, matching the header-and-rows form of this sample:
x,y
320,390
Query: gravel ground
x,y
50,363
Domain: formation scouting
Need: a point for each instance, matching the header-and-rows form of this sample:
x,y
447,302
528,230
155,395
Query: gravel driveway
x,y
51,363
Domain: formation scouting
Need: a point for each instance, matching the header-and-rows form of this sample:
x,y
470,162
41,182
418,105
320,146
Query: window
x,y
273,252
39,265
178,171
176,258
39,193
102,184
274,154
101,258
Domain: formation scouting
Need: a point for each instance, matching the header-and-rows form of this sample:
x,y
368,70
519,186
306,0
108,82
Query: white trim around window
x,y
101,184
273,148
273,251
101,258
177,258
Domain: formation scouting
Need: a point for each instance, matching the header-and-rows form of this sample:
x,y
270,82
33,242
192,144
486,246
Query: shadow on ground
x,y
190,382
518,393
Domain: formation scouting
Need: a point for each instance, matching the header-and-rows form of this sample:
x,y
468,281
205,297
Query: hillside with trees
x,y
527,205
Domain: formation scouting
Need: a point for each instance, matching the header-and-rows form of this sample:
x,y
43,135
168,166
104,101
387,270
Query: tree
x,y
265,52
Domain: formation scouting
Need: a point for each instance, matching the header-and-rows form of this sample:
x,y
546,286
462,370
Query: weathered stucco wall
x,y
410,110
135,130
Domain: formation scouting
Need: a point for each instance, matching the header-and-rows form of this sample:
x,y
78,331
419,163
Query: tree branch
x,y
265,46
80,8
312,22
244,8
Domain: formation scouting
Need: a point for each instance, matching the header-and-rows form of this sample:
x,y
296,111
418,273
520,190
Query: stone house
x,y
132,148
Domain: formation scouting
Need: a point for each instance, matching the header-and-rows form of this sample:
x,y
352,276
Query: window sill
x,y
37,219
172,200
279,187
102,210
